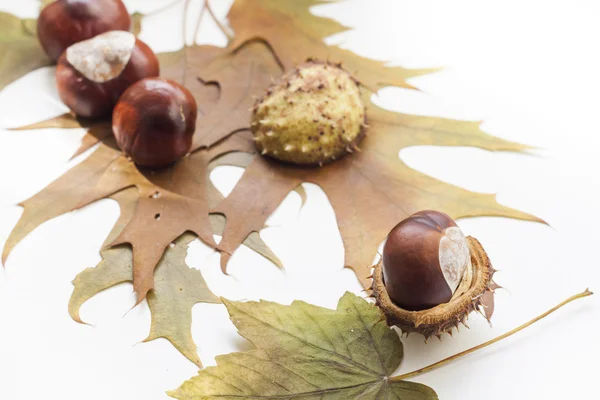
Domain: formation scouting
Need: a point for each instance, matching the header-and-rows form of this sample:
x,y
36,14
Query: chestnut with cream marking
x,y
103,57
454,256
424,259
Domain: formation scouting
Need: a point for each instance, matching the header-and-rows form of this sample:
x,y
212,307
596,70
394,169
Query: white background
x,y
530,69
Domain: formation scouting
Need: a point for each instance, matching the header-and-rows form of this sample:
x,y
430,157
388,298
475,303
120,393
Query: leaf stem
x,y
199,23
438,364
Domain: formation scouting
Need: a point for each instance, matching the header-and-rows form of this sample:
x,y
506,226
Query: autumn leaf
x,y
20,52
97,131
296,35
370,190
177,287
308,352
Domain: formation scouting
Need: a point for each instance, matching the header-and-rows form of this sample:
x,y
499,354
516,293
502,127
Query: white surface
x,y
528,68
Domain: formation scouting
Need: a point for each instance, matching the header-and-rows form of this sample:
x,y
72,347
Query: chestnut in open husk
x,y
431,276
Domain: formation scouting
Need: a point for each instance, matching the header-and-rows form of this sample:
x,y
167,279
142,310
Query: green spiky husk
x,y
310,116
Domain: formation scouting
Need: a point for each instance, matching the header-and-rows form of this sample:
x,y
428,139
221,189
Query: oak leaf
x,y
296,35
177,287
308,352
20,51
370,190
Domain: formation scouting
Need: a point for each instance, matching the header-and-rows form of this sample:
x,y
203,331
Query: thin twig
x,y
199,23
219,24
481,346
184,24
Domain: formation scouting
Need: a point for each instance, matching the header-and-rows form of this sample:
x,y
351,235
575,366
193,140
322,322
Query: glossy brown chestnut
x,y
66,22
92,93
424,259
154,122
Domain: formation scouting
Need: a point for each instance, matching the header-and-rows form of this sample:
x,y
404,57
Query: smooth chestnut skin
x,y
411,266
154,122
91,99
66,22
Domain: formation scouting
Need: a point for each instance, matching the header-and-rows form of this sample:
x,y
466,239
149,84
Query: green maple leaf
x,y
308,352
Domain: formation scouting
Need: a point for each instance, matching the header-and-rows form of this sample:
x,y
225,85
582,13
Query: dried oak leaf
x,y
370,190
97,130
20,52
177,287
295,35
308,352
171,201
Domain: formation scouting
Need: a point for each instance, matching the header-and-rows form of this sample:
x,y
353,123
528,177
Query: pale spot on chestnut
x,y
424,259
454,256
103,57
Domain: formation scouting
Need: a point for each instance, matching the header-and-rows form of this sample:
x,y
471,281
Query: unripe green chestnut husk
x,y
420,295
310,116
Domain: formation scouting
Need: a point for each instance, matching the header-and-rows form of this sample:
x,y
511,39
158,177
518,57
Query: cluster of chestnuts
x,y
430,276
103,70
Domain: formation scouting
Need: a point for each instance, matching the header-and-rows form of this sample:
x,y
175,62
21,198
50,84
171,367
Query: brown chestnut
x,y
93,74
66,22
154,122
424,259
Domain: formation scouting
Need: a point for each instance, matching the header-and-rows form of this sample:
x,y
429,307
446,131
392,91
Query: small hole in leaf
x,y
171,245
157,217
155,195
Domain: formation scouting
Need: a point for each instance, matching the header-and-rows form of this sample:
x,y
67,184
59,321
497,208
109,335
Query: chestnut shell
x,y
154,122
91,99
473,294
66,22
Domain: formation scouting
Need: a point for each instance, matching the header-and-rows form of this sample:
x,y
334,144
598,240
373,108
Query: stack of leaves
x,y
161,211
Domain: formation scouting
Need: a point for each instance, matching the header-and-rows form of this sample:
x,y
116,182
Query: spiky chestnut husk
x,y
311,115
447,316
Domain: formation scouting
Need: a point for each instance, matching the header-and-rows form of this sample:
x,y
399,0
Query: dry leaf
x,y
296,35
370,190
96,133
20,52
177,287
308,352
